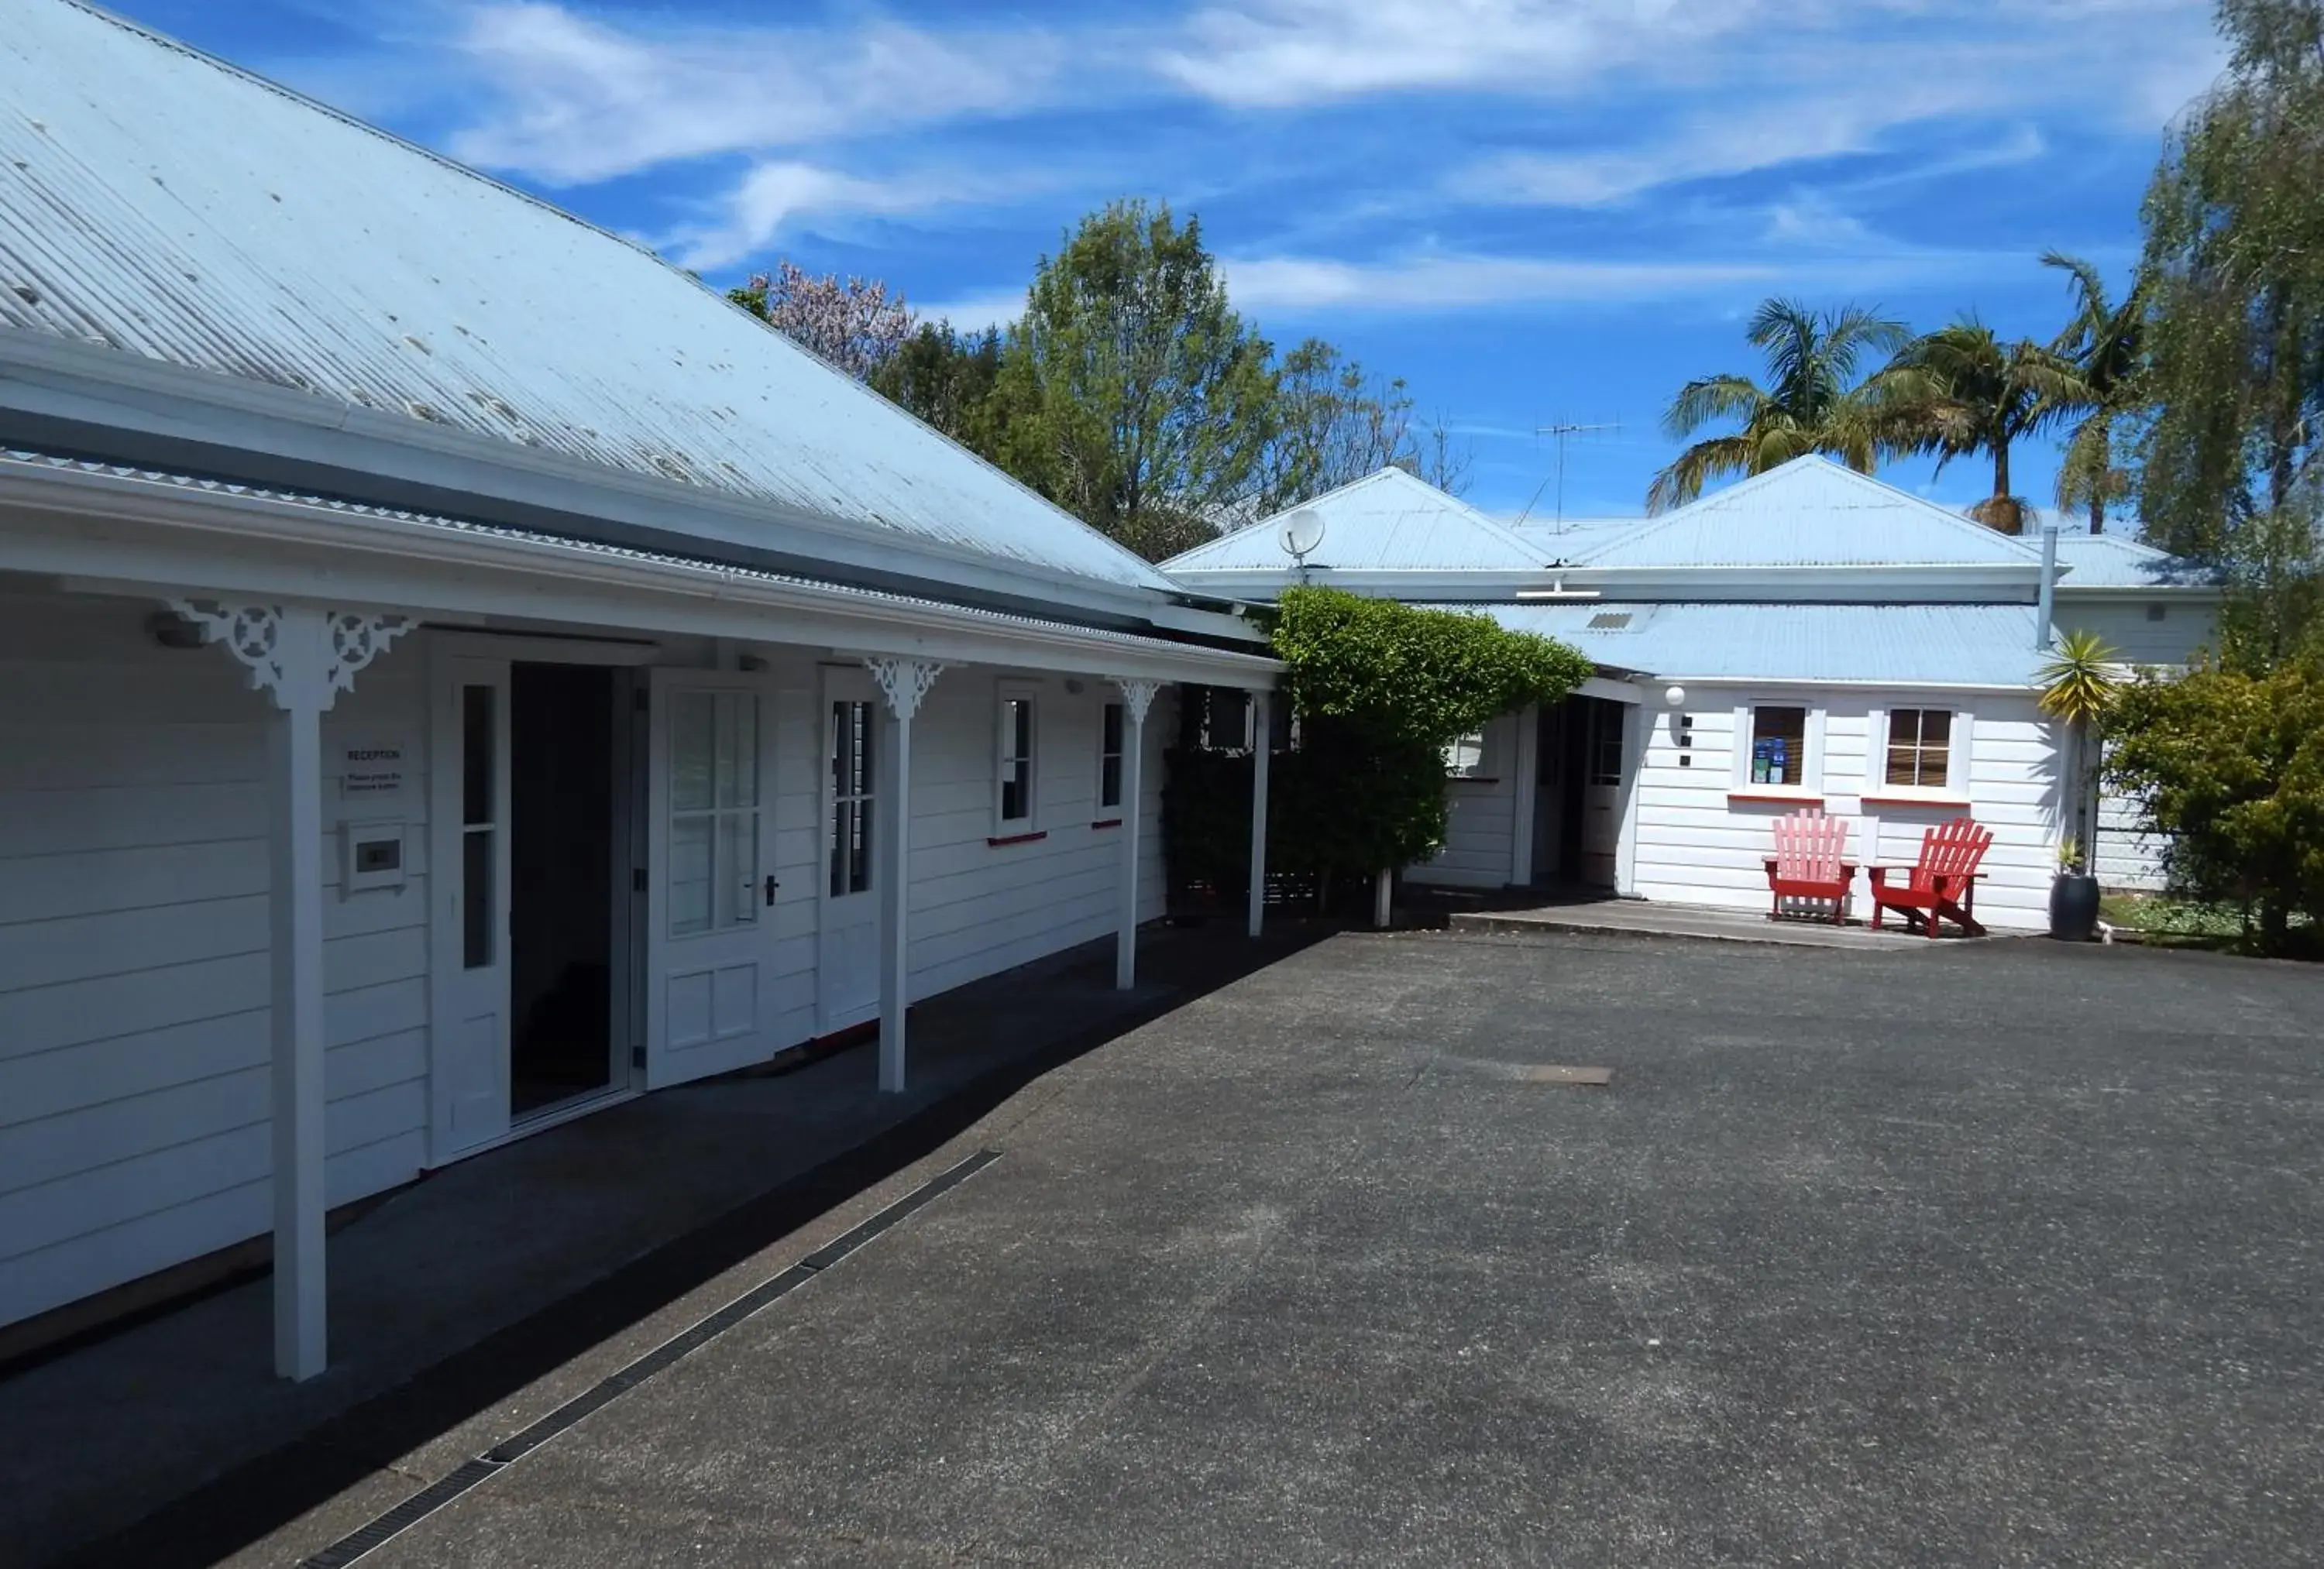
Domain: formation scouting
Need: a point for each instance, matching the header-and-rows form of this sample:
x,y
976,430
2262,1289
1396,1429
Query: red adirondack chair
x,y
1811,862
1942,886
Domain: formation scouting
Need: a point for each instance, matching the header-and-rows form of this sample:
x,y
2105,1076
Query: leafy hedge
x,y
1380,689
1397,676
2231,765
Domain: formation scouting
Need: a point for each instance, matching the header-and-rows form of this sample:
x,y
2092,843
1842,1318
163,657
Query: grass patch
x,y
2165,921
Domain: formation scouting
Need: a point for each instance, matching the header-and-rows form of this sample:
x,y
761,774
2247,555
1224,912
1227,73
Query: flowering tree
x,y
855,324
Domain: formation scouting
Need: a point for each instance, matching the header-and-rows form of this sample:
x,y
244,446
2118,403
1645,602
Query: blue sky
x,y
1533,210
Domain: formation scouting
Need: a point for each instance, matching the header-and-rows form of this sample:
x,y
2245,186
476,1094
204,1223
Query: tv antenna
x,y
1299,536
1561,431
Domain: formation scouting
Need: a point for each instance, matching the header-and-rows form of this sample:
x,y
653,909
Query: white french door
x,y
1601,792
847,944
710,929
469,872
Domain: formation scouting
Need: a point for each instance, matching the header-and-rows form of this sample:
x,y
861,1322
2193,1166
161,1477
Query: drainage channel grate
x,y
439,1493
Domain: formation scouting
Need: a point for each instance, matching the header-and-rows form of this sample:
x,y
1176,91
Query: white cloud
x,y
1797,247
576,100
1279,52
1451,282
773,195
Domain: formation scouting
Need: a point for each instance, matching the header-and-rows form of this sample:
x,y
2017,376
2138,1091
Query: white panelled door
x,y
469,867
710,929
1601,792
847,948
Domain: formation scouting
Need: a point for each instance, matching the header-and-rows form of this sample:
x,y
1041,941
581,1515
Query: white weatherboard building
x,y
456,673
1807,638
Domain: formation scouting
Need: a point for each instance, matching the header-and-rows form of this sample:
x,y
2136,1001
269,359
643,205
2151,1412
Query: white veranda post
x,y
903,683
304,657
1261,730
1136,696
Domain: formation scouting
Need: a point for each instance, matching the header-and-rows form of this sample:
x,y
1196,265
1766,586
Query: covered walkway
x,y
462,1288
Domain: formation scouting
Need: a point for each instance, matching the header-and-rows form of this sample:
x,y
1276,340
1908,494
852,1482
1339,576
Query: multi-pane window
x,y
1920,747
713,811
851,790
1605,737
479,826
1112,728
1015,774
1464,758
1779,746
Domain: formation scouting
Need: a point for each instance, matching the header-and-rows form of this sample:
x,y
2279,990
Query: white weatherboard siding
x,y
1480,818
134,932
1697,846
133,955
2130,628
978,908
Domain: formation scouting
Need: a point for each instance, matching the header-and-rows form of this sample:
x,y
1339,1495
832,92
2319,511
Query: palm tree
x,y
1961,391
1814,403
2080,683
2103,342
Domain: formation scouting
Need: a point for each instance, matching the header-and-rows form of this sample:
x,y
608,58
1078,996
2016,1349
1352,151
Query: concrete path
x,y
1997,1254
1640,918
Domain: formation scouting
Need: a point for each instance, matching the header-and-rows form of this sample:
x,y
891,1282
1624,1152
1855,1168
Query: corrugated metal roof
x,y
871,598
172,206
1386,521
1810,513
1570,539
2110,561
1893,644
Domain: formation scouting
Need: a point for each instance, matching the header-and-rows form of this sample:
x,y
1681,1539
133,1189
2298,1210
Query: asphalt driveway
x,y
2000,1255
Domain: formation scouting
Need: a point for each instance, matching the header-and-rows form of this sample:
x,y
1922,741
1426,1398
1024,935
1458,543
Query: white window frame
x,y
1483,768
1116,805
1954,791
1029,694
1811,748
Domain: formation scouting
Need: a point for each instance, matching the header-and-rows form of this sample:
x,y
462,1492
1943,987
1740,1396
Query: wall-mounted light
x,y
1073,685
1676,696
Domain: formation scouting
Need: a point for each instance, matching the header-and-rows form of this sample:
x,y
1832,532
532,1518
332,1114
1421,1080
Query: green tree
x,y
1961,390
2229,470
1813,402
1335,422
946,378
2104,342
2231,765
1132,394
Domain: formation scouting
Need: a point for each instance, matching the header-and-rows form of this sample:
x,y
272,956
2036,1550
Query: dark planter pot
x,y
2074,907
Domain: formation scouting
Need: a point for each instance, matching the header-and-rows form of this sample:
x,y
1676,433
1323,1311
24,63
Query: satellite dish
x,y
1301,533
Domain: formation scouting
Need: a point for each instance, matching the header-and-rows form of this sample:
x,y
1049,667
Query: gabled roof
x,y
1386,521
170,208
1899,645
1572,539
2111,561
1811,512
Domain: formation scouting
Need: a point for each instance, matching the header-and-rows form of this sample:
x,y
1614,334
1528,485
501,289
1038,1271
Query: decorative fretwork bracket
x,y
1138,694
904,682
304,656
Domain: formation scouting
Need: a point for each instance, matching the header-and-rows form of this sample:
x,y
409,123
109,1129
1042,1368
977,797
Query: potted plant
x,y
2078,685
2073,896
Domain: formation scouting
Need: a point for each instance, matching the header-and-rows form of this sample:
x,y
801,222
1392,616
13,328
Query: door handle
x,y
772,887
